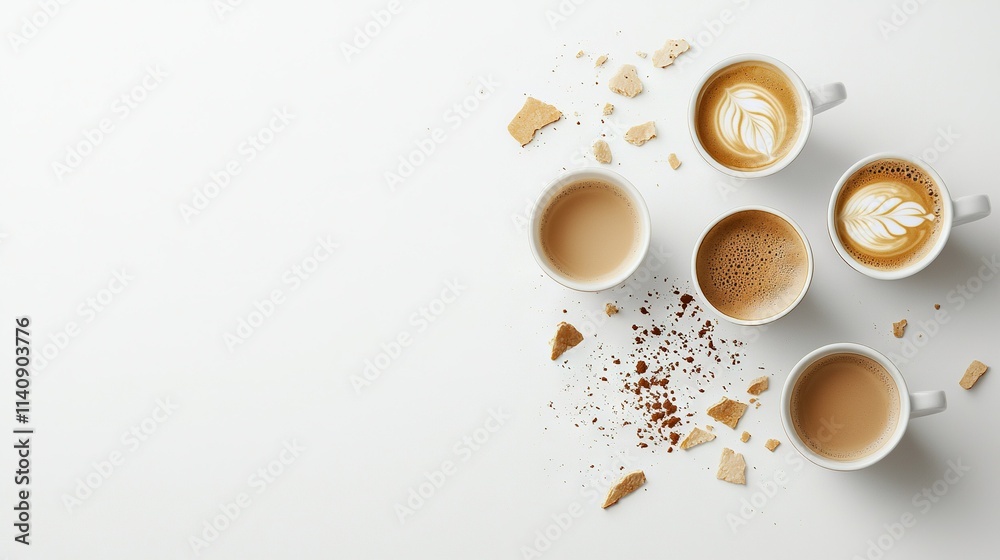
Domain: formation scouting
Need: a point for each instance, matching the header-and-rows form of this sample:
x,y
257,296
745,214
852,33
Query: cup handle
x,y
827,96
971,208
925,403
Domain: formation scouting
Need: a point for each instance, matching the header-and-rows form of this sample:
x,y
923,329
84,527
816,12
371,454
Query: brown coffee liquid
x,y
752,265
889,214
748,116
845,406
590,230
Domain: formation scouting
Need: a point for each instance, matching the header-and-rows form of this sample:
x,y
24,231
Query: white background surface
x,y
455,217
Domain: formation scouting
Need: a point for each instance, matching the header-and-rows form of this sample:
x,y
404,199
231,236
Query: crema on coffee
x,y
748,115
752,265
888,214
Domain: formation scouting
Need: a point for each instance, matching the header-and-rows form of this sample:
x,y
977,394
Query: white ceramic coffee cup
x,y
813,101
954,212
553,189
911,405
715,222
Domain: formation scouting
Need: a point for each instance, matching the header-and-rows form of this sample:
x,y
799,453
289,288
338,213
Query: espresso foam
x,y
888,214
845,406
590,230
748,116
752,265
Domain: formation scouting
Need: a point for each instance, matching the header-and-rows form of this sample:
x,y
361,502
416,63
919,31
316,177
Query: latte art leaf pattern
x,y
750,122
880,220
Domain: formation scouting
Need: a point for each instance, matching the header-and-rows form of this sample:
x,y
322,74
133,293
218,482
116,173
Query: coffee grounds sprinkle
x,y
650,385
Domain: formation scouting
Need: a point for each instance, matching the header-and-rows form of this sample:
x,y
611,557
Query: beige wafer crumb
x,y
732,467
610,309
757,386
566,337
772,444
697,437
975,370
640,54
745,437
898,328
626,81
608,108
602,152
533,115
628,484
728,411
579,54
673,161
670,51
600,60
641,133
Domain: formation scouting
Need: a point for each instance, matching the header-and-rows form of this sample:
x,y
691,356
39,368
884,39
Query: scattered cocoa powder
x,y
676,355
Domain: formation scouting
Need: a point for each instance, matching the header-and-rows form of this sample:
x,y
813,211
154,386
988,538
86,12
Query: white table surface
x,y
929,82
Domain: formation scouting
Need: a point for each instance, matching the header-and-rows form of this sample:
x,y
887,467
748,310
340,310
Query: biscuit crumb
x,y
628,484
640,54
579,54
745,437
757,386
696,437
975,370
641,133
709,427
602,152
670,51
772,444
898,328
566,337
937,306
532,116
732,467
601,60
610,309
673,161
608,108
728,411
626,81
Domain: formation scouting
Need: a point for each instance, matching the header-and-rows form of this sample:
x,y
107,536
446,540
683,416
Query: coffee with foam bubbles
x,y
845,406
888,214
752,265
748,116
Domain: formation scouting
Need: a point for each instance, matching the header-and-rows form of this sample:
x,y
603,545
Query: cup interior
x,y
552,191
805,117
788,422
947,218
699,256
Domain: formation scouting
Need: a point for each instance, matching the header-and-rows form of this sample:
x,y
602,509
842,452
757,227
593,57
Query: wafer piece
x,y
732,467
728,411
532,116
628,484
626,81
975,370
697,437
758,386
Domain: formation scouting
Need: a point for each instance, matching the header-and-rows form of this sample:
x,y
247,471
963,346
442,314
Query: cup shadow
x,y
908,467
